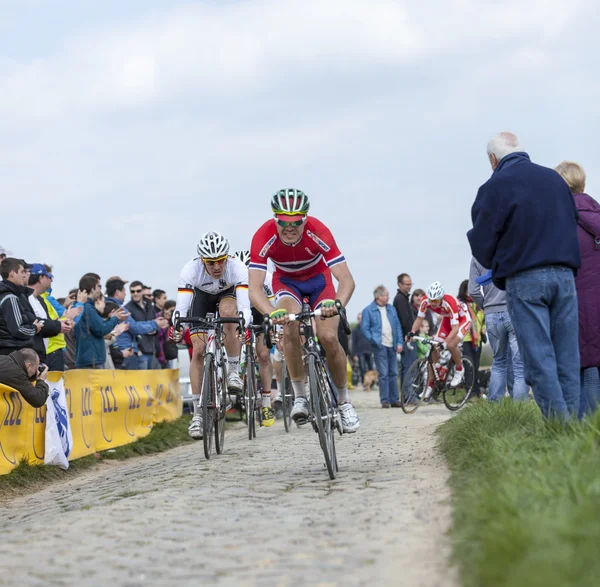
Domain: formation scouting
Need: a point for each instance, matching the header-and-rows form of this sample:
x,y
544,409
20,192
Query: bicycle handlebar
x,y
341,312
178,321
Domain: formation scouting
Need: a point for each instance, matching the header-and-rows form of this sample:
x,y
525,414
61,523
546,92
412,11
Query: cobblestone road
x,y
263,513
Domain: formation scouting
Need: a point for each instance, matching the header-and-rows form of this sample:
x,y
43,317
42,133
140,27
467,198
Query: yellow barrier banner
x,y
78,392
169,403
22,430
106,409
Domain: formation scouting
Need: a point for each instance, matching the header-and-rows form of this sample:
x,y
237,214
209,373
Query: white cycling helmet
x,y
213,245
244,257
435,291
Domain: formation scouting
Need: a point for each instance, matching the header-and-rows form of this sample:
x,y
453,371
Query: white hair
x,y
503,144
379,291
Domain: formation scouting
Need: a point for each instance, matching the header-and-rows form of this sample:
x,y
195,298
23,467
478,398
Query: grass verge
x,y
26,477
526,496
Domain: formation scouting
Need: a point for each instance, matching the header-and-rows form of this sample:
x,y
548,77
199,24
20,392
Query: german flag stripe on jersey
x,y
185,290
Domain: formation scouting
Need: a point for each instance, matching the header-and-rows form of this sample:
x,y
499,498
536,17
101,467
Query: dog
x,y
371,378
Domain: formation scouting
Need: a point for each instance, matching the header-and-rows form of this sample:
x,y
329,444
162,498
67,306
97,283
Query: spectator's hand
x,y
399,348
121,314
162,322
82,296
175,335
72,313
42,376
127,352
120,328
66,325
38,325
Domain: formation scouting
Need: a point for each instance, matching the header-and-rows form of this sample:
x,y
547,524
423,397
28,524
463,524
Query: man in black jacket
x,y
20,370
18,323
142,311
407,316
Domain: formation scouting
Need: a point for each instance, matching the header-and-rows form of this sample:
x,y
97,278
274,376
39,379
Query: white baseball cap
x,y
6,252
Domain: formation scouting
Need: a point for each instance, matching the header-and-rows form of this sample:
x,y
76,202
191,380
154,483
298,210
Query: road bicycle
x,y
251,396
214,397
324,415
414,386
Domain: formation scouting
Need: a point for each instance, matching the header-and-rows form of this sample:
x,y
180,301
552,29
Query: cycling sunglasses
x,y
285,223
215,261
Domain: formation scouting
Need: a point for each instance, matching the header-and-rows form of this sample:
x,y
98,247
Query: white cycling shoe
x,y
300,410
195,429
234,382
349,417
457,378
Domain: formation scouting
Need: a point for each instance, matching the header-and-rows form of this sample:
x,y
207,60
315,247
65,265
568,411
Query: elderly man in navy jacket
x,y
525,229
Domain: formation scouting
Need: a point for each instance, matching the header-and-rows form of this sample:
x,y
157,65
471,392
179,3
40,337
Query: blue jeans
x,y
542,304
409,356
590,391
365,363
503,341
146,362
387,370
131,363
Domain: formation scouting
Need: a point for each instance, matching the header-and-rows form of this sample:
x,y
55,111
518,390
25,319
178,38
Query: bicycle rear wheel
x,y
208,403
456,397
414,386
287,397
221,407
322,413
250,397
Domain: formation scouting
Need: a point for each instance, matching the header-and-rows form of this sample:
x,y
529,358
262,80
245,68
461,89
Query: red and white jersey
x,y
312,254
449,308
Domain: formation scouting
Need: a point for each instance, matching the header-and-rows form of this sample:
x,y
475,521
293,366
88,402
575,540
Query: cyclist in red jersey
x,y
305,256
456,322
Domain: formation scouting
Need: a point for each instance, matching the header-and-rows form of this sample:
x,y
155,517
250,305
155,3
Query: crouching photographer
x,y
22,371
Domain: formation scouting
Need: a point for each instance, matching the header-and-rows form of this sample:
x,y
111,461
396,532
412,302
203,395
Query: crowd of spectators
x,y
87,329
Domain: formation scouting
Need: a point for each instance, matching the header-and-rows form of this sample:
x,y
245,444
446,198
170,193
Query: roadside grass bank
x,y
26,477
525,495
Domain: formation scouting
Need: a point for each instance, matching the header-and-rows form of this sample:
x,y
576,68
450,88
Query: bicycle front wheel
x,y
221,407
414,386
287,397
323,411
208,403
250,397
456,397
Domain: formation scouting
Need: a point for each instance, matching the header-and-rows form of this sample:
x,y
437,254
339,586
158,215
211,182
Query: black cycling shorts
x,y
204,303
257,320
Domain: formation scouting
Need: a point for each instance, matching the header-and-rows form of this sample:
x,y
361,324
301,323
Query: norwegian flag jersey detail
x,y
450,308
314,253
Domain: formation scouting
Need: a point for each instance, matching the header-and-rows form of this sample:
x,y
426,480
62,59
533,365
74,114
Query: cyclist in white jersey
x,y
214,278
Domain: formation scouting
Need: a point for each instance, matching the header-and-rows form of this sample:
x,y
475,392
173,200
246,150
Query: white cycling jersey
x,y
194,276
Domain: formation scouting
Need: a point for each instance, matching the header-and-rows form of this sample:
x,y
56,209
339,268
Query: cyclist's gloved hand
x,y
175,335
328,308
410,335
279,316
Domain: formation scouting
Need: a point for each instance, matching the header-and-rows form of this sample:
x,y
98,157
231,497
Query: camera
x,y
41,368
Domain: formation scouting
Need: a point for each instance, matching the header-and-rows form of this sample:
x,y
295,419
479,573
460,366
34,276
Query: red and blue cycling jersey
x,y
302,269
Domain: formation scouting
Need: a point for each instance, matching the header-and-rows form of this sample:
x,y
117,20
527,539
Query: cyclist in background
x,y
455,323
262,352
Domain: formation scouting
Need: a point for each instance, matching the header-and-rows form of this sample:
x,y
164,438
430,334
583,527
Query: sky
x,y
128,129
